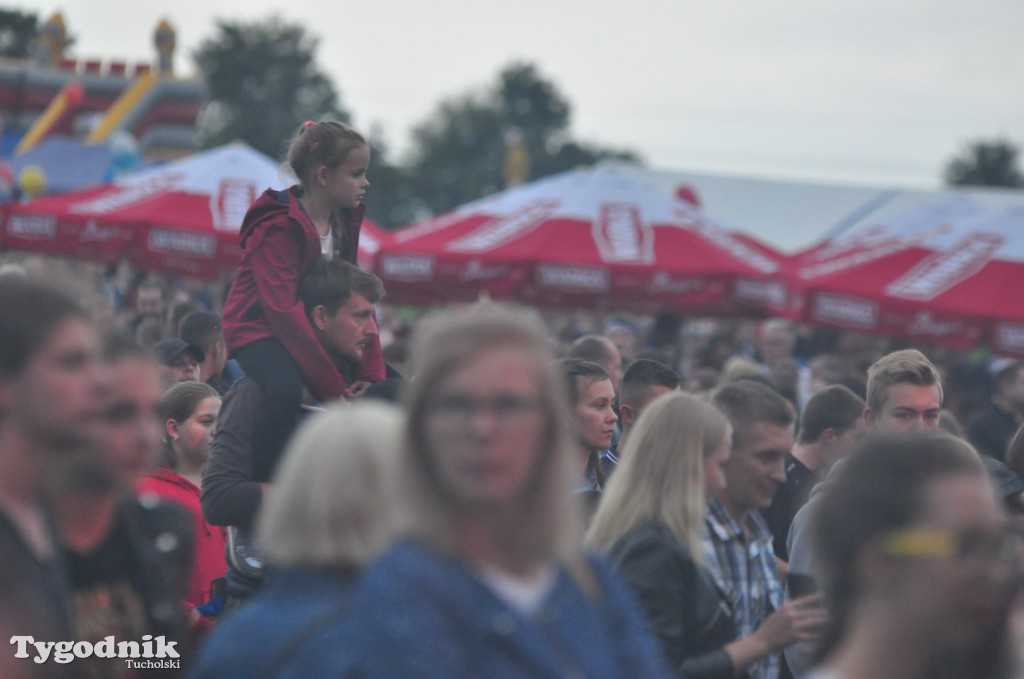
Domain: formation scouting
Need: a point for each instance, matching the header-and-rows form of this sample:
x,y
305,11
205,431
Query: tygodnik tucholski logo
x,y
149,653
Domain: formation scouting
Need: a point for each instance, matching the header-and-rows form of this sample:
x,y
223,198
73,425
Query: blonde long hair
x,y
661,476
551,521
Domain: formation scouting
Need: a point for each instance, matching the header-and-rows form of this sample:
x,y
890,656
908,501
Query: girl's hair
x,y
322,143
335,491
178,403
550,521
661,477
579,370
881,488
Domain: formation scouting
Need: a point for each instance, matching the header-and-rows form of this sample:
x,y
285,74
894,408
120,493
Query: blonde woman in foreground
x,y
491,580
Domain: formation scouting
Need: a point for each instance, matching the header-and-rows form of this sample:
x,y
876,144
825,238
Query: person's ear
x,y
628,414
320,317
171,427
321,175
869,418
829,437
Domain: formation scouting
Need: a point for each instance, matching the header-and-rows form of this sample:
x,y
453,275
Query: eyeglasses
x,y
1005,546
464,408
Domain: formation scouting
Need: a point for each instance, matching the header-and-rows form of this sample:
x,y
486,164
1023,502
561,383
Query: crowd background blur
x,y
796,359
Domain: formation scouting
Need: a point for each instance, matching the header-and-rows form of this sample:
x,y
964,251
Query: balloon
x,y
73,94
32,181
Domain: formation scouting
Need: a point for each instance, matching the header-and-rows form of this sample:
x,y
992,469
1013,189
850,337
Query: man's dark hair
x,y
749,402
834,407
592,348
643,373
201,328
29,313
331,282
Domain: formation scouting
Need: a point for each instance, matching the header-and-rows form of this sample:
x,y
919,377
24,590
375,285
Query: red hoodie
x,y
280,244
210,562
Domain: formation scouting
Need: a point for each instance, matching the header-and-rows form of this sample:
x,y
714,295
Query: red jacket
x,y
280,244
210,562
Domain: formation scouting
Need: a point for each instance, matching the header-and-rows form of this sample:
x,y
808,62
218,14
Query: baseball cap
x,y
169,350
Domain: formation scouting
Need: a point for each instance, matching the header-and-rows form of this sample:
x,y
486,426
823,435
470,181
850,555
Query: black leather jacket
x,y
686,611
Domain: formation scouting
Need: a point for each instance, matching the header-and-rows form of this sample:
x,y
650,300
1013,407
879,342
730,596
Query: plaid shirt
x,y
746,572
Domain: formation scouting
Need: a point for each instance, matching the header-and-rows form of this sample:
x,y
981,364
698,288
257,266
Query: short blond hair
x,y
331,505
907,366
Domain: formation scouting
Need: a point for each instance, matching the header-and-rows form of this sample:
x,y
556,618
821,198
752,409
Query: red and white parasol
x,y
583,238
946,271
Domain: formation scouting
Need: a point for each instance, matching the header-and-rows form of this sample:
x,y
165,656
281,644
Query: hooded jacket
x,y
280,244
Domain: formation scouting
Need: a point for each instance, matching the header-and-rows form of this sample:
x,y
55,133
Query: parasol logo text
x,y
843,310
573,278
924,323
126,195
622,236
230,203
407,267
942,270
772,293
501,230
101,234
1010,337
182,243
38,227
662,283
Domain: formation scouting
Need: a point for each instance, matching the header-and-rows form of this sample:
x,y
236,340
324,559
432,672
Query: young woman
x,y
920,566
591,401
490,580
188,414
650,521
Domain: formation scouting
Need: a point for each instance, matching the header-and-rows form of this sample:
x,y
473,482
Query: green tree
x,y
457,154
17,31
263,82
986,163
390,202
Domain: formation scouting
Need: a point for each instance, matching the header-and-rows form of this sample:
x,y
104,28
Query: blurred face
x,y
346,333
1014,390
57,398
484,429
908,408
347,183
959,595
595,418
131,430
714,469
184,368
775,346
757,468
614,365
192,438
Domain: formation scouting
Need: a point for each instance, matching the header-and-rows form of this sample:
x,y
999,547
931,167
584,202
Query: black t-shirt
x,y
788,499
133,583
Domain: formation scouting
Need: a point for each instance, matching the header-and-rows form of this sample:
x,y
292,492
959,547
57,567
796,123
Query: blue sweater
x,y
425,615
298,623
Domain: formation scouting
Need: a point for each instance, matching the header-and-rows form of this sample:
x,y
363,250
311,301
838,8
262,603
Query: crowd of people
x,y
277,486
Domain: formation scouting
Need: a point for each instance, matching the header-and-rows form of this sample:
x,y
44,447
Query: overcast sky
x,y
863,91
